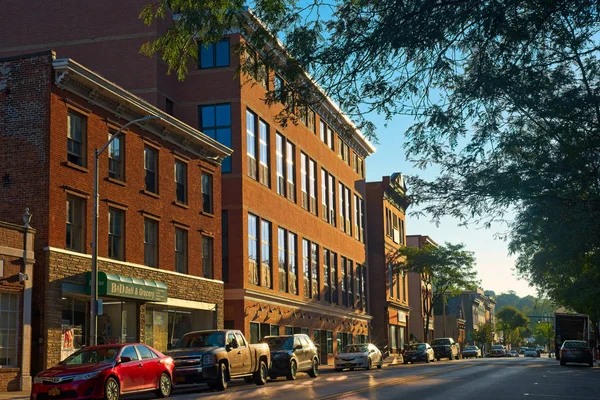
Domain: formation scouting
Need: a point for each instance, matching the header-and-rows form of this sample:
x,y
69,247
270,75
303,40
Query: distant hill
x,y
531,306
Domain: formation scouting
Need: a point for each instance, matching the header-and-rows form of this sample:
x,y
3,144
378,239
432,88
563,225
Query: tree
x,y
510,322
443,269
505,100
483,335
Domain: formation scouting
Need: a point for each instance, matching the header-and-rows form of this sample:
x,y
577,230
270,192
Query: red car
x,y
106,372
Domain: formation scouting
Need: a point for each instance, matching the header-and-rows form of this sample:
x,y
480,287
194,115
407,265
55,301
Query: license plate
x,y
180,379
54,392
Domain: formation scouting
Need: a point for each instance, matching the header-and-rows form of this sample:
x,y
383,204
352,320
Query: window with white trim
x,y
263,167
280,149
9,323
76,138
251,144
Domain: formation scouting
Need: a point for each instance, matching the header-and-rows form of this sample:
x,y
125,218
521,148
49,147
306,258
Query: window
x,y
355,162
388,221
361,167
76,136
390,280
341,206
344,273
279,87
312,187
116,152
306,268
254,332
281,259
292,266
263,168
181,254
215,121
357,218
363,283
361,206
116,234
404,286
75,223
326,135
256,68
150,242
348,213
251,143
322,131
213,55
151,169
324,197
326,275
169,106
145,353
395,229
9,323
265,253
350,280
304,179
331,187
253,249
314,269
291,172
329,342
207,257
207,190
330,142
181,182
280,165
334,278
359,287
307,116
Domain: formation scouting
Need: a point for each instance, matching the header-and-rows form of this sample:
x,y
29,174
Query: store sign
x,y
125,286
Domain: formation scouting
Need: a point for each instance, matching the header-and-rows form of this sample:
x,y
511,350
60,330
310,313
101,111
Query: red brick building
x,y
386,208
294,255
159,208
420,295
16,277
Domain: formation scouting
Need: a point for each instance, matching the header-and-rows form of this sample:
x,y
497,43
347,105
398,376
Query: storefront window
x,y
166,325
73,324
9,305
118,322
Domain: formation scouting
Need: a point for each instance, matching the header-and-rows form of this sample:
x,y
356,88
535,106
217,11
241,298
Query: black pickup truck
x,y
217,356
445,348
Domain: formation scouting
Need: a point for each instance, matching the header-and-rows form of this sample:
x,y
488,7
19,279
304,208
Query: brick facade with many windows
x,y
275,205
57,112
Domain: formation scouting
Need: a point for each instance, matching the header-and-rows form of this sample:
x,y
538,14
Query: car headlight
x,y
209,359
84,377
37,379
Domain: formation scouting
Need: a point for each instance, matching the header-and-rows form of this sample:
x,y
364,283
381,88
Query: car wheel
x,y
221,382
111,389
314,371
164,386
260,376
438,358
291,375
427,358
370,364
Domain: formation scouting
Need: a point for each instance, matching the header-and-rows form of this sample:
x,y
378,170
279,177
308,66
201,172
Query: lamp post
x,y
94,280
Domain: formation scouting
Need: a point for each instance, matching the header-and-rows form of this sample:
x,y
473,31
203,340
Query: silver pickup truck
x,y
215,357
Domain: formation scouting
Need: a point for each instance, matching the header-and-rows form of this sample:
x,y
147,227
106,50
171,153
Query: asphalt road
x,y
489,378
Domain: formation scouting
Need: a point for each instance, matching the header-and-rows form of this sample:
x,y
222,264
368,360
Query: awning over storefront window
x,y
125,286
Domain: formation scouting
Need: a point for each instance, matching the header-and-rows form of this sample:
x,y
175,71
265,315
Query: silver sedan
x,y
360,355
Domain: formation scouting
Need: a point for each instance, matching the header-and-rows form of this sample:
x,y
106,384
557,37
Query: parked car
x,y
576,351
359,355
522,350
291,354
497,350
531,352
217,356
107,372
471,351
513,353
445,348
418,352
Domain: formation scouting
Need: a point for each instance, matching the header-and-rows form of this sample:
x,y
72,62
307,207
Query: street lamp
x,y
94,280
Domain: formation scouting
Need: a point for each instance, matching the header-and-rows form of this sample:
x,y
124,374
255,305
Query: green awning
x,y
125,286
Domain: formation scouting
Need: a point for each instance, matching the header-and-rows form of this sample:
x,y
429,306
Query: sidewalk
x,y
14,395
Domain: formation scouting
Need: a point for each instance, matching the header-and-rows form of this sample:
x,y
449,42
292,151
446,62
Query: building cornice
x,y
77,79
282,301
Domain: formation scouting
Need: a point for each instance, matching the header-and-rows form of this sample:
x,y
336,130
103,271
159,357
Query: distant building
x,y
386,207
420,296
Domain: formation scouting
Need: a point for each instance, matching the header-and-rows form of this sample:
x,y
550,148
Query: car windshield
x,y
280,342
575,344
438,342
356,348
416,347
91,356
497,347
202,339
470,348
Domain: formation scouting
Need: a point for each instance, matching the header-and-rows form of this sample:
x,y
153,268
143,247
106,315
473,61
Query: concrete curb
x,y
14,395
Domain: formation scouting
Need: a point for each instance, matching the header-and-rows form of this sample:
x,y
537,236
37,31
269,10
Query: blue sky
x,y
494,265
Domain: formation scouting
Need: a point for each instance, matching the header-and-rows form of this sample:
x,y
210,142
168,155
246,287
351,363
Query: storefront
x,y
132,310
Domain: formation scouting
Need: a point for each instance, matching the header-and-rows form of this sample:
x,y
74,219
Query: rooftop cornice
x,y
77,79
